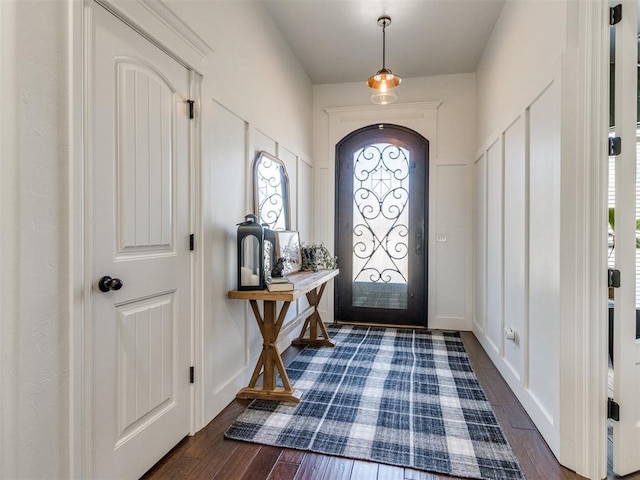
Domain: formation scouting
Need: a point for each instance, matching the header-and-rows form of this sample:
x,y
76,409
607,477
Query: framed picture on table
x,y
288,248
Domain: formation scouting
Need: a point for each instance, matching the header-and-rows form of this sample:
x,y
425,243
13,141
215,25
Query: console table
x,y
311,284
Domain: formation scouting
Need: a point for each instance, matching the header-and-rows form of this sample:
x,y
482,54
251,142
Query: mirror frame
x,y
284,187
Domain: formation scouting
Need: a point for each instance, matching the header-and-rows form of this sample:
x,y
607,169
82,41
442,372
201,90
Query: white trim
x,y
359,114
77,392
9,240
534,88
197,256
162,27
174,23
80,435
588,448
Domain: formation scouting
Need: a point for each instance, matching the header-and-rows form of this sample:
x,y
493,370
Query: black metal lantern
x,y
250,254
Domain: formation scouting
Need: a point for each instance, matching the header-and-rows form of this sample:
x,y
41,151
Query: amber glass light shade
x,y
383,81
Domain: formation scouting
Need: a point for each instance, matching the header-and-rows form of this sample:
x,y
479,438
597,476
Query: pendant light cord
x,y
384,44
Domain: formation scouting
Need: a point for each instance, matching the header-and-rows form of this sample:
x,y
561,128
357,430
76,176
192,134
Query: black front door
x,y
381,220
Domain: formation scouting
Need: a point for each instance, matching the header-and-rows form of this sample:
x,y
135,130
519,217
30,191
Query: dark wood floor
x,y
208,455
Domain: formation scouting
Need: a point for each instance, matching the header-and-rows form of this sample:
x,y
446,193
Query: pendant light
x,y
384,81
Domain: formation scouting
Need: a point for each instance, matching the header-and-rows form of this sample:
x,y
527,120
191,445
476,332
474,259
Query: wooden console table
x,y
312,285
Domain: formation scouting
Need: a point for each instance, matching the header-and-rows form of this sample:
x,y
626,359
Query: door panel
x,y
381,185
144,128
138,232
626,355
145,381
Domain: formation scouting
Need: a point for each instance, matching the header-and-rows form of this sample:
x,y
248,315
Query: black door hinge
x,y
613,410
192,374
191,112
615,146
614,278
615,14
192,242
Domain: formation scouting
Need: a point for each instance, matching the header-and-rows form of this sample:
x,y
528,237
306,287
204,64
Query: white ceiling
x,y
340,41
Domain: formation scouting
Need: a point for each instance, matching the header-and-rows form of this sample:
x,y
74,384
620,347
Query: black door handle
x,y
106,284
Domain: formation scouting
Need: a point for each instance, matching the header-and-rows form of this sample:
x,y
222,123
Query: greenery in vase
x,y
317,256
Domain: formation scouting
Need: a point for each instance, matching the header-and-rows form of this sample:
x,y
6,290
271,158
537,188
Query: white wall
x,y
529,237
34,223
527,40
243,60
9,240
442,109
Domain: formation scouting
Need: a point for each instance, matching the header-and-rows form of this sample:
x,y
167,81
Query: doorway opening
x,y
381,218
624,244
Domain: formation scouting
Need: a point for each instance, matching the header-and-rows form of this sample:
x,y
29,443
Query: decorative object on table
x,y
250,254
288,248
316,256
396,396
276,286
278,280
278,269
271,191
269,250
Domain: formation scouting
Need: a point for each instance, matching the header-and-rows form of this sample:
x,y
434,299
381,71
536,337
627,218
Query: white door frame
x,y
79,27
583,356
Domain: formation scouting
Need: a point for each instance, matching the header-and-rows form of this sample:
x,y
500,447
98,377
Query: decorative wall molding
x,y
491,231
169,18
359,114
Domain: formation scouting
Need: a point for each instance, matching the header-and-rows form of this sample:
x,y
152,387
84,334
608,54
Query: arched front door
x,y
381,221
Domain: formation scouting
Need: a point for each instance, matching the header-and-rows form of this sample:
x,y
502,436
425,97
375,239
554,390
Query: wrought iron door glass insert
x,y
380,226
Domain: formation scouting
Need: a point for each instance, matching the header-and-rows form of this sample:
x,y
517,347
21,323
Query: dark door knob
x,y
107,283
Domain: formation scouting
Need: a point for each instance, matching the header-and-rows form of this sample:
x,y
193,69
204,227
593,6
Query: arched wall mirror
x,y
271,192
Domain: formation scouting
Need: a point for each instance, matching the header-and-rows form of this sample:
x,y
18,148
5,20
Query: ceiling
x,y
340,41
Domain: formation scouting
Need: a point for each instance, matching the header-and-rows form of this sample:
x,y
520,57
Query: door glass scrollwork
x,y
380,225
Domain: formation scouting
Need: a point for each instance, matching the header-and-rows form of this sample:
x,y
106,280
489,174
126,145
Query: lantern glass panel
x,y
250,261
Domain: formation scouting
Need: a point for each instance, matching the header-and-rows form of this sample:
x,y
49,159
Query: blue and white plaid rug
x,y
396,396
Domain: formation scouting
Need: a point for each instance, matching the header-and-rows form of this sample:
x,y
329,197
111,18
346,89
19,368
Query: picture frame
x,y
288,247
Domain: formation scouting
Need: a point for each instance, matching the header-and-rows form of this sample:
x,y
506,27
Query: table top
x,y
303,282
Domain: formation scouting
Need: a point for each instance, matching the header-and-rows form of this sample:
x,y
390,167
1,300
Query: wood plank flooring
x,y
208,455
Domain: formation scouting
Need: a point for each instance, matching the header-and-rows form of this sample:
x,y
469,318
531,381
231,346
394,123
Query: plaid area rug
x,y
396,396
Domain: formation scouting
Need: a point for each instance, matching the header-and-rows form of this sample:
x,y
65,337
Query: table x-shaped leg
x,y
314,322
270,358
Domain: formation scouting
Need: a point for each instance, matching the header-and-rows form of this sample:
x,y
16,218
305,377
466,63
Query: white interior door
x,y
138,233
626,431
